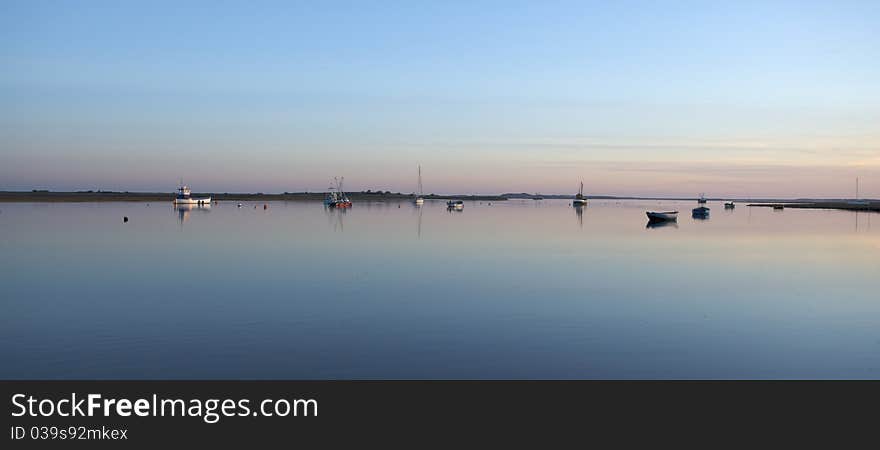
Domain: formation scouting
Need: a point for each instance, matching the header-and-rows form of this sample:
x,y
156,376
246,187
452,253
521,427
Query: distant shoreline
x,y
849,205
103,196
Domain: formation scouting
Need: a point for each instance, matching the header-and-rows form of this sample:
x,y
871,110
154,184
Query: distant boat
x,y
701,212
336,197
729,205
702,199
419,199
184,197
662,216
778,206
579,199
455,204
538,197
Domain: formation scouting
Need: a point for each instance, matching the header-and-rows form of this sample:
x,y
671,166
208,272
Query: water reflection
x,y
335,217
661,224
184,211
579,211
419,226
531,296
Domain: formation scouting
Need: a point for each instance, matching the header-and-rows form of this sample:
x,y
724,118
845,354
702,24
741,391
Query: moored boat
x,y
701,212
662,216
184,197
336,197
579,199
702,199
455,204
729,205
419,199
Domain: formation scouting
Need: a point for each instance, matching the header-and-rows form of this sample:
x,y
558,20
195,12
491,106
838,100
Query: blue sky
x,y
653,98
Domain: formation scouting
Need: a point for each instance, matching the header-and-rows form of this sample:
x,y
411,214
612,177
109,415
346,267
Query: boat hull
x,y
701,212
662,216
578,202
419,201
192,201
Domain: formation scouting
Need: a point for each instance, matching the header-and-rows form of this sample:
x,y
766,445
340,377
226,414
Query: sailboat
x,y
419,199
579,199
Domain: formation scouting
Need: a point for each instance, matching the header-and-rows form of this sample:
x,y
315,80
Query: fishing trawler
x,y
419,199
579,199
184,197
336,197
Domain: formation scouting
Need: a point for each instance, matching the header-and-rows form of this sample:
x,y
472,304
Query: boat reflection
x,y
419,228
661,224
579,212
185,210
335,216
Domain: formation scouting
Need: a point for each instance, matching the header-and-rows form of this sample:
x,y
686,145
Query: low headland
x,y
849,205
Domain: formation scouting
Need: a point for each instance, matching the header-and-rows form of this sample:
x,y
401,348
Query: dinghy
x,y
662,216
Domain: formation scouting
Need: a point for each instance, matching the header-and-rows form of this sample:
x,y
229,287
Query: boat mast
x,y
420,180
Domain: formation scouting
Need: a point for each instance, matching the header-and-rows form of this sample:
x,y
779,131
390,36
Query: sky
x,y
634,98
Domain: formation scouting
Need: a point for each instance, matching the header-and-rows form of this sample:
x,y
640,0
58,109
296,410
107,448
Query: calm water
x,y
518,289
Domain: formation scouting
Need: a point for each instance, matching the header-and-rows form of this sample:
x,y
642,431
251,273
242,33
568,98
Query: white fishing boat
x,y
419,199
662,216
579,199
184,197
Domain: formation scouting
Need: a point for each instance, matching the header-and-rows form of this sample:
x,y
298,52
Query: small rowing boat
x,y
662,216
701,213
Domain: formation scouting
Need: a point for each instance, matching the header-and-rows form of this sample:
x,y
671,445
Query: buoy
x,y
124,219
